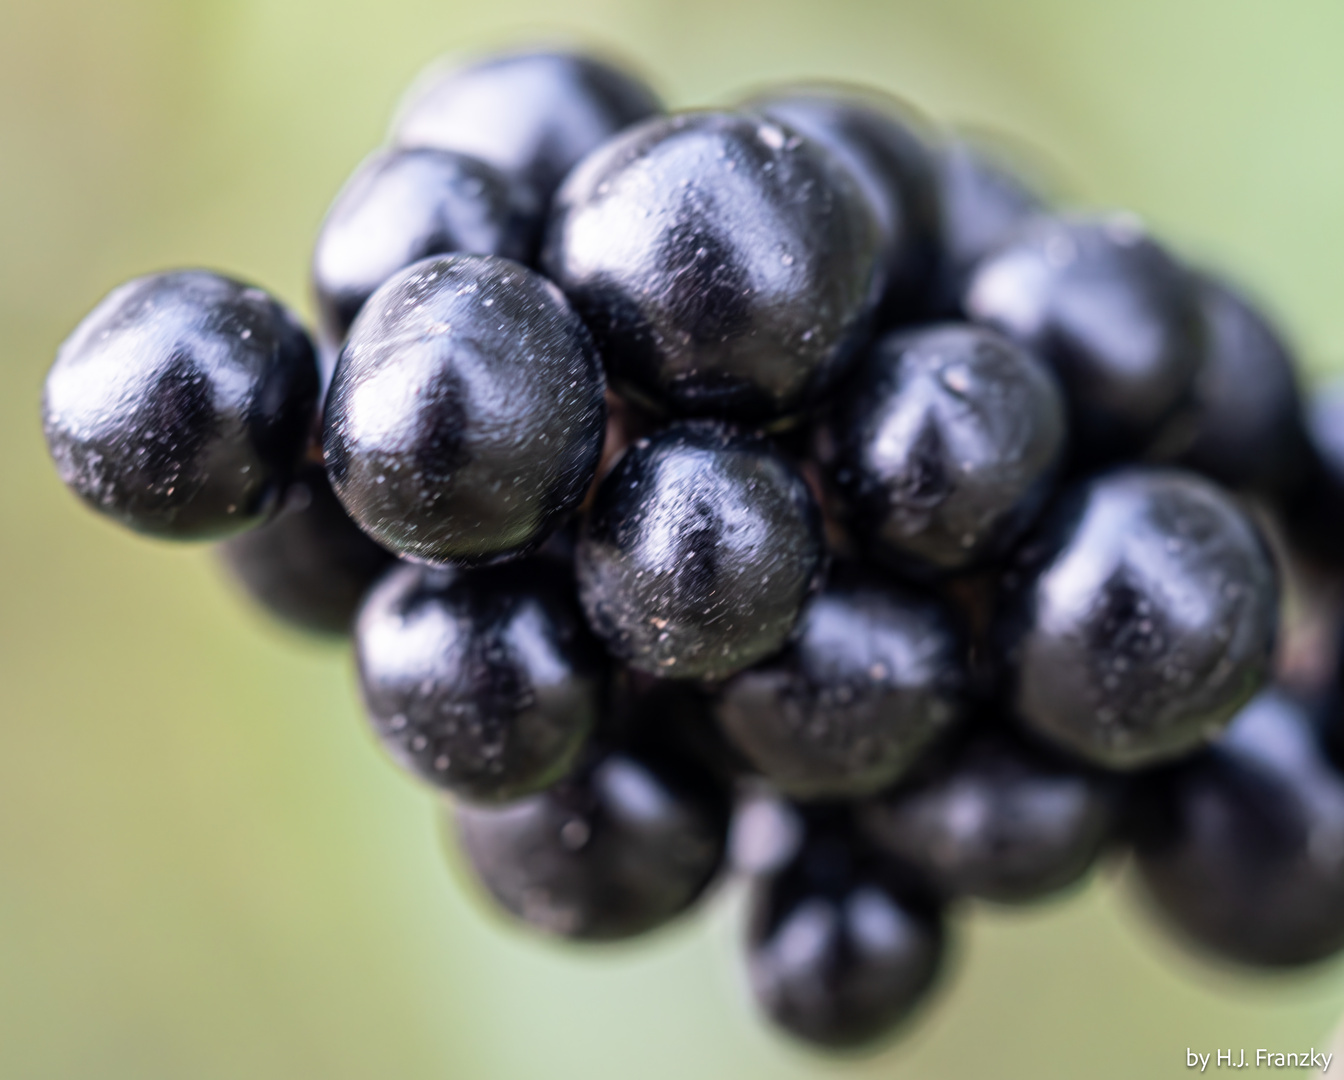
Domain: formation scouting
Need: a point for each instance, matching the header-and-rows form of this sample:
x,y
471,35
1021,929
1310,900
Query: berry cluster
x,y
783,486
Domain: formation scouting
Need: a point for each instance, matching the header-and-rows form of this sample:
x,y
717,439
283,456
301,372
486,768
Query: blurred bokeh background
x,y
206,869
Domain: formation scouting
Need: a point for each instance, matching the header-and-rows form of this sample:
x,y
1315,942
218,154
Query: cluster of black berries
x,y
792,456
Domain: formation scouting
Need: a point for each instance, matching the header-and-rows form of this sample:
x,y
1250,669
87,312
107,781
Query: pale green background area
x,y
206,869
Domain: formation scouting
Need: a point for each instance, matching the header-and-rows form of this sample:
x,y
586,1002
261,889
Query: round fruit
x,y
618,849
1246,427
465,418
997,819
877,672
944,447
180,406
1116,317
879,140
1242,850
725,265
402,206
531,115
981,204
486,682
1144,617
312,565
842,945
698,553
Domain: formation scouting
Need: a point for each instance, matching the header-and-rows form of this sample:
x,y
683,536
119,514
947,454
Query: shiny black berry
x,y
944,447
1245,427
181,404
531,115
981,203
1110,310
402,206
881,142
312,565
1242,849
698,553
618,849
725,264
483,682
1143,617
998,819
465,419
842,944
877,672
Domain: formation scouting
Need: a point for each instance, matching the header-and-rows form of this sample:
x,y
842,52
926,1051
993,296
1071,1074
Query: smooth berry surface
x,y
877,672
484,682
465,419
725,264
181,404
1143,617
842,945
1110,310
881,141
1242,850
402,206
1246,427
618,849
532,115
998,819
311,565
699,552
944,447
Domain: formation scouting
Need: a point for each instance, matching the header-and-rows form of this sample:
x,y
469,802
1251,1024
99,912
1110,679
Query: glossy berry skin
x,y
725,265
998,819
1242,849
311,565
698,554
1313,507
532,115
981,203
180,406
1143,617
486,682
618,849
876,673
1245,427
402,206
1115,316
879,140
465,419
842,945
944,447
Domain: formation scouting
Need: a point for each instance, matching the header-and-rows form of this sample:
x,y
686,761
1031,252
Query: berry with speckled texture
x,y
465,419
180,406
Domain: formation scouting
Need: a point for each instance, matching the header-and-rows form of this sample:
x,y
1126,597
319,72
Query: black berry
x,y
1242,850
876,674
880,141
1116,317
1144,617
944,447
616,850
465,419
725,264
402,206
531,115
842,944
312,565
482,682
698,553
181,404
998,819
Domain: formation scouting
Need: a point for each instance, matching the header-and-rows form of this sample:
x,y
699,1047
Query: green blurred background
x,y
206,870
